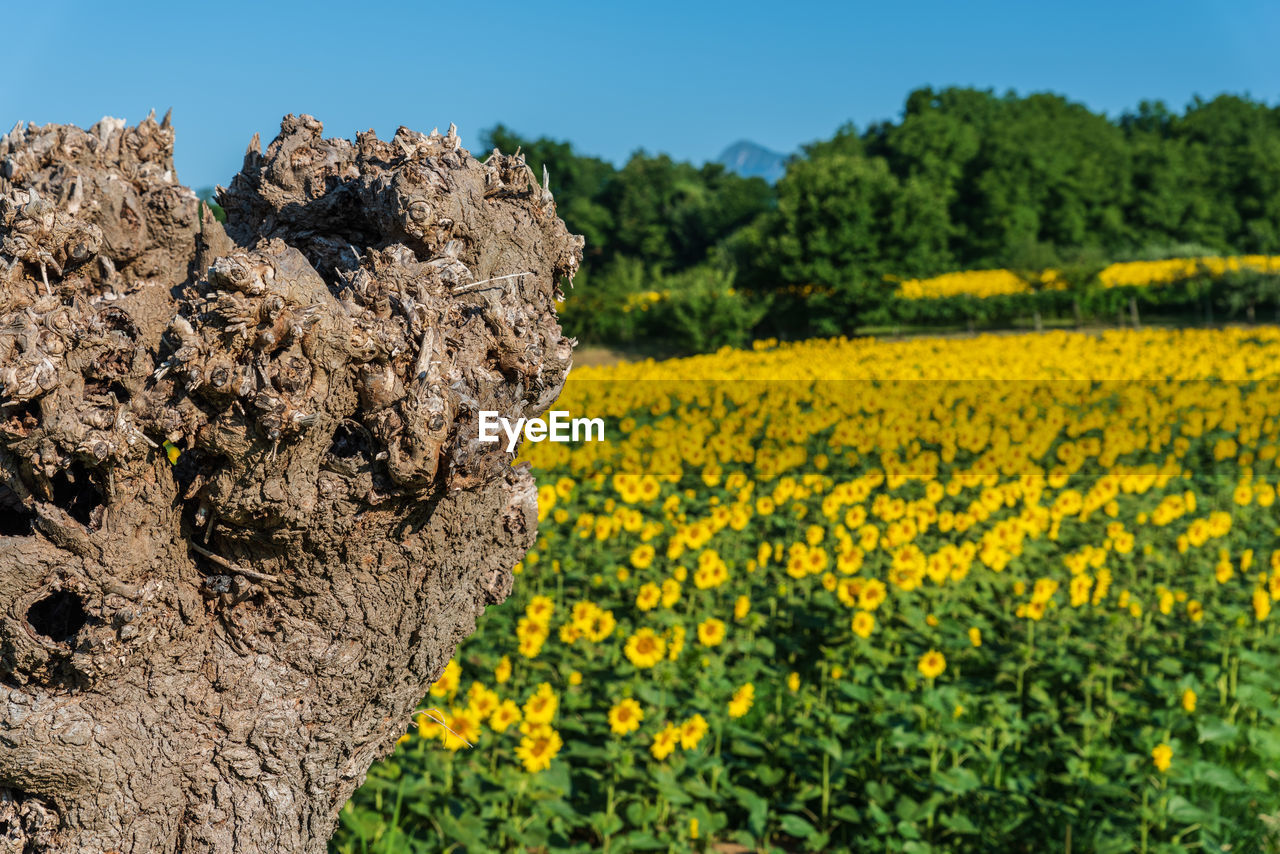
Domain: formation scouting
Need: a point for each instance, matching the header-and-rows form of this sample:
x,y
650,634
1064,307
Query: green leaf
x,y
844,812
768,775
908,830
591,752
696,788
1037,692
669,786
467,829
651,694
604,824
857,693
757,809
742,747
880,793
1254,697
957,823
1262,666
881,818
561,808
1266,743
840,724
556,778
794,825
1182,810
908,809
1216,729
639,841
535,834
1216,776
641,813
957,781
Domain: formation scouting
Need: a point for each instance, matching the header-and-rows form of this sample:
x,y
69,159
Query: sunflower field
x,y
988,594
1127,274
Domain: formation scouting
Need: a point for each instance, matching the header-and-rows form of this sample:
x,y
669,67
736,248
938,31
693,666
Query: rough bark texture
x,y
207,655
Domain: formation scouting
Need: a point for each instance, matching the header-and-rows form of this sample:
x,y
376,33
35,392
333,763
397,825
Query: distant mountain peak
x,y
751,160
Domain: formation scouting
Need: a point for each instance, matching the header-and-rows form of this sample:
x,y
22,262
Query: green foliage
x,y
666,213
1162,251
844,219
707,313
694,310
606,305
967,179
1029,258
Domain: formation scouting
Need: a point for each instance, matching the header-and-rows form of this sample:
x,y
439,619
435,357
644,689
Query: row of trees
x,y
965,179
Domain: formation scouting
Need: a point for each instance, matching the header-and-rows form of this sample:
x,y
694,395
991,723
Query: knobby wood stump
x,y
245,518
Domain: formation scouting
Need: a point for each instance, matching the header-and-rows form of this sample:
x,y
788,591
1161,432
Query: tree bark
x,y
245,515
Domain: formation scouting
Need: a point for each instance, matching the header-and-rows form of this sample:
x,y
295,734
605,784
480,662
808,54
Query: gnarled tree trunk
x,y
245,517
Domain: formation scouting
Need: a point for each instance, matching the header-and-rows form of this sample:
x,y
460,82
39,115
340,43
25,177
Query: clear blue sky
x,y
687,78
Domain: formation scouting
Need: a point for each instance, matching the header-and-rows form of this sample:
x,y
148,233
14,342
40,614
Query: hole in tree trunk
x,y
20,420
121,393
103,389
15,523
15,519
349,442
59,616
192,464
73,492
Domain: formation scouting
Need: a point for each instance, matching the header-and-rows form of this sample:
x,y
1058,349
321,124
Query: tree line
x,y
965,179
